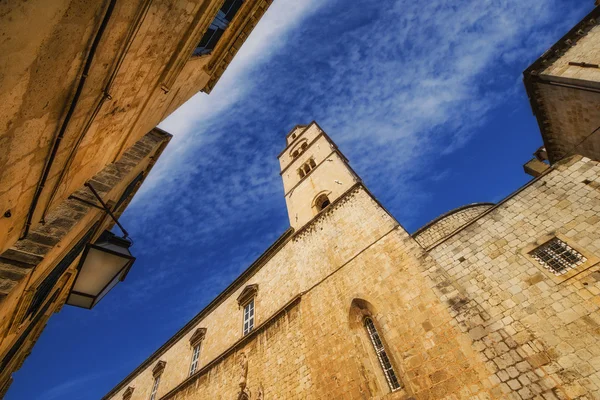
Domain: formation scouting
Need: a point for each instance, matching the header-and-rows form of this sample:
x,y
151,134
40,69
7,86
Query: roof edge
x,y
447,214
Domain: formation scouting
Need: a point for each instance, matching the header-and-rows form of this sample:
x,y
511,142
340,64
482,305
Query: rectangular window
x,y
218,26
557,256
195,357
249,317
155,388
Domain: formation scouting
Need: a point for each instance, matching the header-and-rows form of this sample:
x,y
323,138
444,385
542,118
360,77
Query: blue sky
x,y
425,99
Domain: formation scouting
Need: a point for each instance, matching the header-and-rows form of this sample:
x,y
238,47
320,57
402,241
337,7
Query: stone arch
x,y
360,311
298,148
321,201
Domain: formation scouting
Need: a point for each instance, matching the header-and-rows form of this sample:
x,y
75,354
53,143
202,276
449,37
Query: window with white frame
x,y
384,361
249,317
195,358
155,388
557,256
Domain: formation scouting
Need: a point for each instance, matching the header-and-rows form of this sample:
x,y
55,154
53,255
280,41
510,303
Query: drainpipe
x,y
63,128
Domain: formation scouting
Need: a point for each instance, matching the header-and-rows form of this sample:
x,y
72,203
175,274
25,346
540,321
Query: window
x,y
304,146
322,202
557,256
155,388
307,167
218,26
249,317
195,357
157,372
128,393
295,154
384,360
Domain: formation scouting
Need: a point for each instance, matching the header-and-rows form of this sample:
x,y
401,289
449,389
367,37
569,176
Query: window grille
x,y
557,256
384,361
155,388
249,317
195,357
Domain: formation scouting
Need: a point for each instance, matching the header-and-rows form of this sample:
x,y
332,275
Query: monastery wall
x,y
537,332
353,260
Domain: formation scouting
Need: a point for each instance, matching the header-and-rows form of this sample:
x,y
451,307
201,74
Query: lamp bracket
x,y
103,207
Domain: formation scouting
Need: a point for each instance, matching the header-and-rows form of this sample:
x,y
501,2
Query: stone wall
x,y
25,265
140,72
564,89
447,223
353,250
536,332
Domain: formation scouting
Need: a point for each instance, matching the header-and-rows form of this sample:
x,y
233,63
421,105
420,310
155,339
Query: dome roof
x,y
447,223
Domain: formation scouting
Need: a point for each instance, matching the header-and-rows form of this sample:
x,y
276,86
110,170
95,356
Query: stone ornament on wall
x,y
248,293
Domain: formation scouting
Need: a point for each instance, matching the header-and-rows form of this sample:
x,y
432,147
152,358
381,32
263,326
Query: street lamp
x,y
102,265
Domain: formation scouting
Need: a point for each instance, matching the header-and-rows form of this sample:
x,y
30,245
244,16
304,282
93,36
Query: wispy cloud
x,y
398,85
71,388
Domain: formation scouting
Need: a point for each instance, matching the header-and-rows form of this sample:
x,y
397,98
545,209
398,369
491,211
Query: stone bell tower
x,y
314,172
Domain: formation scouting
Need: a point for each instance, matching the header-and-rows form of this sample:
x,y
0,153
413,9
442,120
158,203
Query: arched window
x,y
321,202
295,154
304,146
382,356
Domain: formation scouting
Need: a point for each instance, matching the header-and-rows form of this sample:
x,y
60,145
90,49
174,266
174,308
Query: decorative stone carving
x,y
128,393
198,336
244,371
248,293
158,368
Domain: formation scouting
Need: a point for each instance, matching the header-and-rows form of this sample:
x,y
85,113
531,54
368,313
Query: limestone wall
x,y
353,250
537,332
564,89
26,300
141,72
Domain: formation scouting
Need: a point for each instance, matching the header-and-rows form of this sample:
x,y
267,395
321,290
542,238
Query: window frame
x,y
391,377
195,358
591,259
251,318
155,387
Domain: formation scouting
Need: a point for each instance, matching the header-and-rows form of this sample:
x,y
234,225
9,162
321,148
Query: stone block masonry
x,y
536,332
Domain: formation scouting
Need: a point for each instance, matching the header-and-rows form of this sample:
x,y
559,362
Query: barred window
x,y
249,317
155,388
195,358
384,360
557,256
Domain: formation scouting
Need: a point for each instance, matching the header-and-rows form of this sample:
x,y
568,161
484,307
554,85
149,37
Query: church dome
x,y
447,223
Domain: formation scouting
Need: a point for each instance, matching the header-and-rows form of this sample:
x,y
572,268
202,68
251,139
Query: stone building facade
x,y
467,311
487,301
80,96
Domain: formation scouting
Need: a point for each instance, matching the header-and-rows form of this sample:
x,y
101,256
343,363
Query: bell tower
x,y
314,172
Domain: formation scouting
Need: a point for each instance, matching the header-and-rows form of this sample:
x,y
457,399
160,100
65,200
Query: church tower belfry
x,y
314,172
